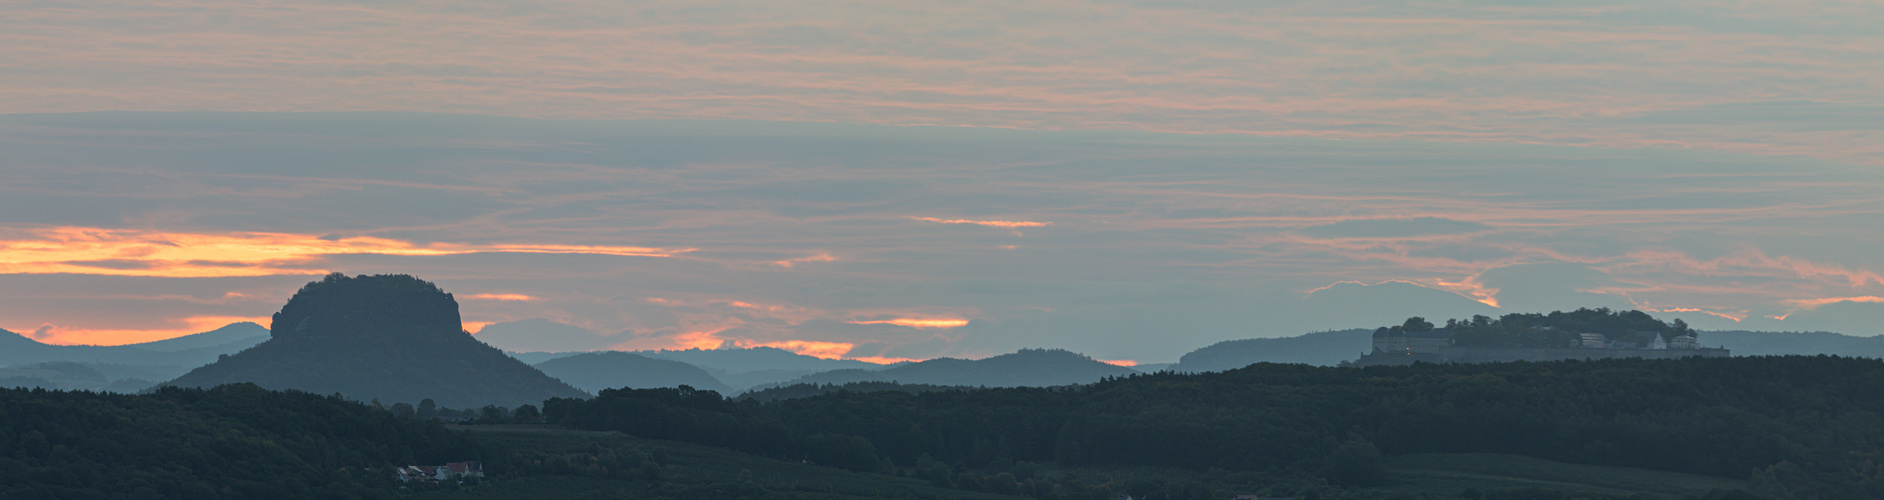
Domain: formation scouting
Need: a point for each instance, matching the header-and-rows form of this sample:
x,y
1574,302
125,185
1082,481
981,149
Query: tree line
x,y
1797,427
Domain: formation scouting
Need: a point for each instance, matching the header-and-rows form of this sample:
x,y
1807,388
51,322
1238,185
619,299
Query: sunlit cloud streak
x,y
517,297
1010,224
916,322
180,255
78,335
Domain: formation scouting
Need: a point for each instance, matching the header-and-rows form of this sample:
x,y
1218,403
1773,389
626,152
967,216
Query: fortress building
x,y
1396,346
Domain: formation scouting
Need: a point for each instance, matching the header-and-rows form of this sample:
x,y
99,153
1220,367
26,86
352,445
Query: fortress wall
x,y
1508,354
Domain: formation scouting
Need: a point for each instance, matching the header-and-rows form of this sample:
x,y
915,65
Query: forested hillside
x,y
237,441
1795,426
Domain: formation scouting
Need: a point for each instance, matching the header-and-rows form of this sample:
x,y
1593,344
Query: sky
x,y
907,180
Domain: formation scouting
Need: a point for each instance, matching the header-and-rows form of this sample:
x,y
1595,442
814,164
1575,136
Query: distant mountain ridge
x,y
188,350
595,371
1025,368
1332,347
744,368
1319,348
393,338
126,368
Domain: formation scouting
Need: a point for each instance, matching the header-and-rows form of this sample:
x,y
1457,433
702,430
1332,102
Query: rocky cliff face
x,y
394,338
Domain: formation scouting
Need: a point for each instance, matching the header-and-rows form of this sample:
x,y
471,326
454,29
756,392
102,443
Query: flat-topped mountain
x,y
394,338
1026,368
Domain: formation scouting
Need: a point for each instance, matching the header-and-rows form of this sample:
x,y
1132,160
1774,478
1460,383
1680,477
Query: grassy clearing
x,y
1452,473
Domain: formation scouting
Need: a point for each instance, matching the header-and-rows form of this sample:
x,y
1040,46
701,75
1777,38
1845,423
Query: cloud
x,y
542,335
821,257
916,322
1815,303
157,329
1010,224
147,253
1414,227
1518,74
515,297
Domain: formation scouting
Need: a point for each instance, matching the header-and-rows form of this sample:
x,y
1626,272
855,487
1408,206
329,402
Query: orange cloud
x,y
1470,287
824,350
1753,262
1815,303
477,326
1010,224
516,297
705,339
123,252
916,322
820,257
1119,362
64,335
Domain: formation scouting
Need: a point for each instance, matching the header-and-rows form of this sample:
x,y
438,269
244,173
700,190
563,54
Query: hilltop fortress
x,y
1580,334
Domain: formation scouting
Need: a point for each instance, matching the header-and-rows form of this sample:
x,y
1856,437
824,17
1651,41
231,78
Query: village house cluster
x,y
452,471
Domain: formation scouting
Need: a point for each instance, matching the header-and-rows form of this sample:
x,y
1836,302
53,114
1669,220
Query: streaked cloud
x,y
187,255
157,329
916,322
1774,78
1395,228
1009,224
1814,303
826,350
518,297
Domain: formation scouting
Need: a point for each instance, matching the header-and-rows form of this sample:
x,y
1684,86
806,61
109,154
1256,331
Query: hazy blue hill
x,y
596,371
181,352
234,335
755,359
1026,368
54,375
794,391
16,349
1744,343
1319,348
750,367
393,338
535,358
1332,347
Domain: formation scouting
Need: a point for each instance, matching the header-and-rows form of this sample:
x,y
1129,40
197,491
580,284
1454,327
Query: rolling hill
x,y
1026,368
596,371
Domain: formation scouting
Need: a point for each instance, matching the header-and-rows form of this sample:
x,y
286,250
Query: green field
x,y
688,471
1451,473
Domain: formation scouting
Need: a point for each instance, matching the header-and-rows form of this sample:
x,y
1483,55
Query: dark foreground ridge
x,y
1698,428
1789,427
391,338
